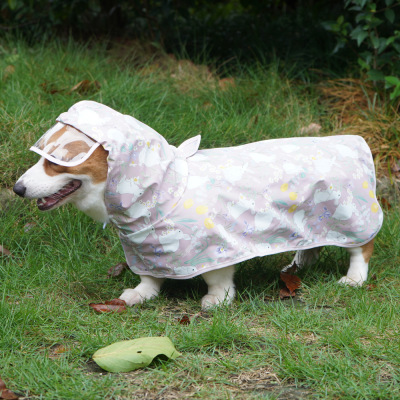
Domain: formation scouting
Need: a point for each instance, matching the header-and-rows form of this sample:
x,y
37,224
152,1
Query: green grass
x,y
331,342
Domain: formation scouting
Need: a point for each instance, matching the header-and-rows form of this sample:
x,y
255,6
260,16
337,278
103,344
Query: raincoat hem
x,y
249,257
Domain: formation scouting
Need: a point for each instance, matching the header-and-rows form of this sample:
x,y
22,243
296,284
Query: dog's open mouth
x,y
46,203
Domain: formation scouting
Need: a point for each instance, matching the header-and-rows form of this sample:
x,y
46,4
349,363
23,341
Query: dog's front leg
x,y
220,287
148,287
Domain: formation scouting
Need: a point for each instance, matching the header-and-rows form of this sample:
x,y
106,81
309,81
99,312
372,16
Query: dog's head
x,y
54,185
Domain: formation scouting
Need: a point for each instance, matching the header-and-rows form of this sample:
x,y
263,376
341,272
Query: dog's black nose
x,y
19,189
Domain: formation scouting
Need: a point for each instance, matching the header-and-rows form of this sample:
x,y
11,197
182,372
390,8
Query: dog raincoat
x,y
181,211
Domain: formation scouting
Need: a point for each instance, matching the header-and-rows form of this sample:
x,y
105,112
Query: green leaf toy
x,y
129,355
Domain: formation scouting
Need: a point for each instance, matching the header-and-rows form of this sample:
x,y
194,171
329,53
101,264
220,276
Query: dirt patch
x,y
265,380
93,368
259,379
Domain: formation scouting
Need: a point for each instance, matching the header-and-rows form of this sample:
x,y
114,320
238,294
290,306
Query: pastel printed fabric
x,y
181,211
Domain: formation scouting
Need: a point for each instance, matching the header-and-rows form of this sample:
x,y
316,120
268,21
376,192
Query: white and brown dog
x,y
182,212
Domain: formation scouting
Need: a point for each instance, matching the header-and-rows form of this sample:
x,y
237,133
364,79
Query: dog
x,y
182,212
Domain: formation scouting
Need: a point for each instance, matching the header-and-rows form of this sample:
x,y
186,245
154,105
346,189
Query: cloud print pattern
x,y
181,211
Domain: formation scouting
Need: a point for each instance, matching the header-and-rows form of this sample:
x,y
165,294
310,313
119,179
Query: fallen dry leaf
x,y
85,86
115,305
284,293
6,393
185,320
117,270
4,251
116,302
292,282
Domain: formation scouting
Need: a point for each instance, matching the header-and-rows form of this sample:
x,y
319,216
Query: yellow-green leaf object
x,y
133,354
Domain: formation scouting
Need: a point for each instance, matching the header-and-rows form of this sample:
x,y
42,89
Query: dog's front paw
x,y
132,297
211,300
148,288
345,280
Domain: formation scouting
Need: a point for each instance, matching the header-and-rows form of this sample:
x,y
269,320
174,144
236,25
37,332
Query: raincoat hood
x,y
181,211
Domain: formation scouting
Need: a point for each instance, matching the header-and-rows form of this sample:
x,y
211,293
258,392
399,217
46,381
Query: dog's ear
x,y
190,146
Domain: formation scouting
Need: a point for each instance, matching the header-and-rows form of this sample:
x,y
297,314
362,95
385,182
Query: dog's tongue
x,y
48,202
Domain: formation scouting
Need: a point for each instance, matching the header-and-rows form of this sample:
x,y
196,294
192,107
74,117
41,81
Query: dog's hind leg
x,y
148,287
359,259
303,258
221,288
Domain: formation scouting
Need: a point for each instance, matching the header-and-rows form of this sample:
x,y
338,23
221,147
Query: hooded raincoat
x,y
181,211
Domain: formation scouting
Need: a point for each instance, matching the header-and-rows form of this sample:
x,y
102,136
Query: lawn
x,y
329,342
